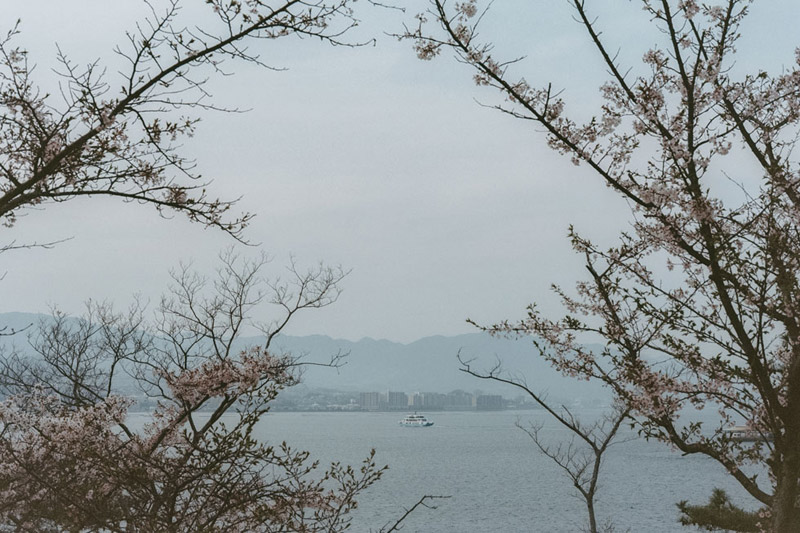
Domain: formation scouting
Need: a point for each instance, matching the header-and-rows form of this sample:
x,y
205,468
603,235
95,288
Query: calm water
x,y
496,480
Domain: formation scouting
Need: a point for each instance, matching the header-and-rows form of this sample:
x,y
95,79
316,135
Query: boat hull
x,y
416,421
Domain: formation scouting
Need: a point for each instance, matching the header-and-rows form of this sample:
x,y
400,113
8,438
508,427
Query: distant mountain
x,y
431,365
425,365
11,322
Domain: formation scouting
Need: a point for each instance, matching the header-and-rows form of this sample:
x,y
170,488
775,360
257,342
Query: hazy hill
x,y
426,365
430,364
19,321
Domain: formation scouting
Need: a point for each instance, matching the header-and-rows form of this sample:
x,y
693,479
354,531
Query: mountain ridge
x,y
428,364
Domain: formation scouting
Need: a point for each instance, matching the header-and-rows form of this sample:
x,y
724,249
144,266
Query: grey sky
x,y
366,157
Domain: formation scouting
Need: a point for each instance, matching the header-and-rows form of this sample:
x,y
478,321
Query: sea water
x,y
496,480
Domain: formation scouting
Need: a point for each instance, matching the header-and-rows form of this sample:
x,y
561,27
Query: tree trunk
x,y
785,516
784,512
592,519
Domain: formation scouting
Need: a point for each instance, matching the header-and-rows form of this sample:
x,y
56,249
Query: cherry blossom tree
x,y
72,459
698,305
120,136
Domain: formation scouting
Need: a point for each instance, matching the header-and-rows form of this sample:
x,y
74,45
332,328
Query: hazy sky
x,y
368,158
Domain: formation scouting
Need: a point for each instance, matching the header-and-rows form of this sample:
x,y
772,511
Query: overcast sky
x,y
368,158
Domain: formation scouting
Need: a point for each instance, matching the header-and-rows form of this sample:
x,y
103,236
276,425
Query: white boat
x,y
415,421
746,434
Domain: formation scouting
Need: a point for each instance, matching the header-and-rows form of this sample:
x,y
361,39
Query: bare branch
x,y
398,525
